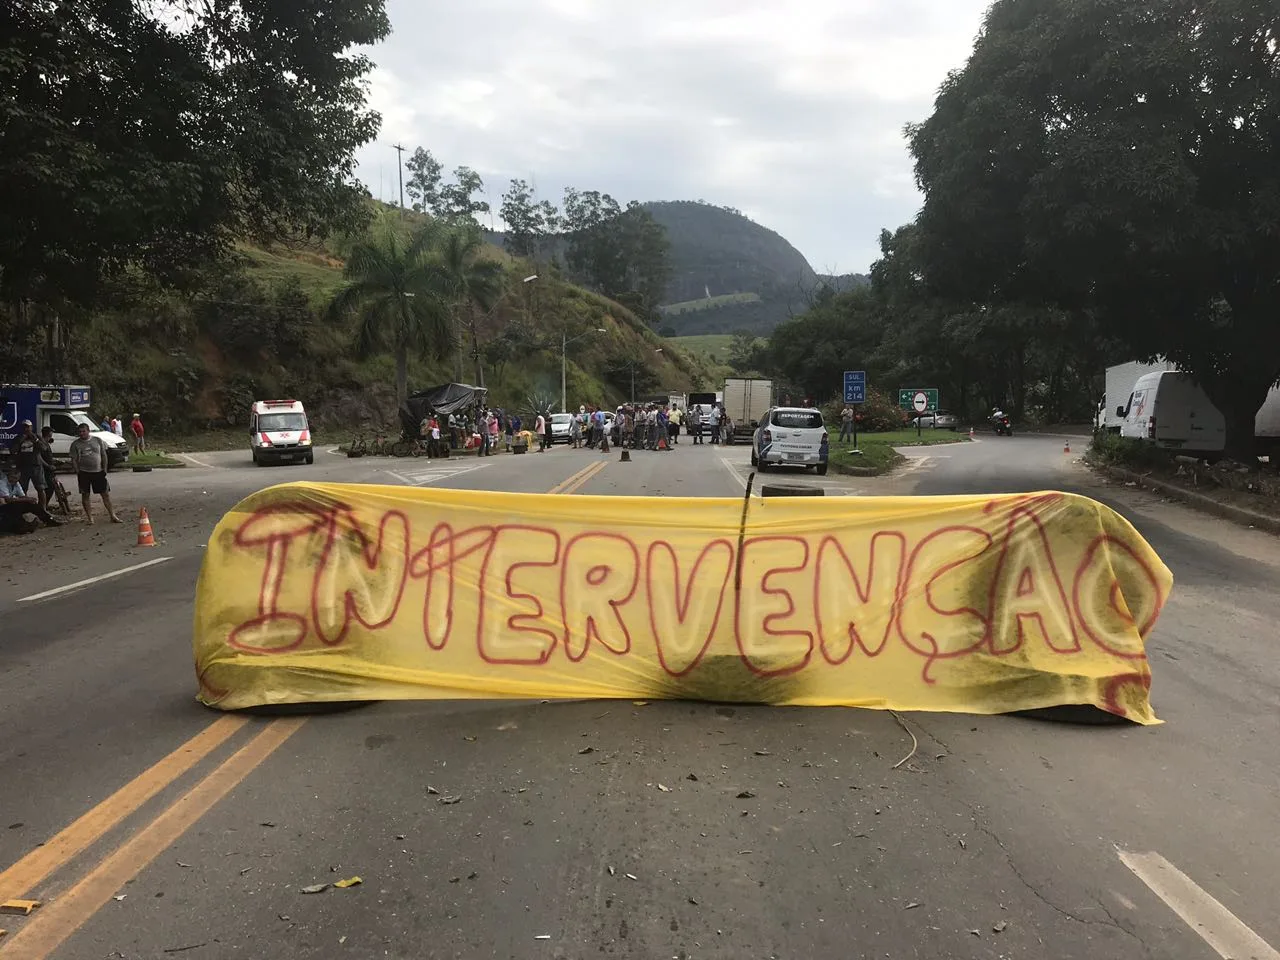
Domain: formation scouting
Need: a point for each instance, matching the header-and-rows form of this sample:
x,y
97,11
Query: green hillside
x,y
260,330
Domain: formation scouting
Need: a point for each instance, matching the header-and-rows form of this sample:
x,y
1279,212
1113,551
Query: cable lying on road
x,y
915,744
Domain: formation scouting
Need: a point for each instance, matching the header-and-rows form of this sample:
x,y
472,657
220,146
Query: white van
x,y
1170,409
791,436
279,432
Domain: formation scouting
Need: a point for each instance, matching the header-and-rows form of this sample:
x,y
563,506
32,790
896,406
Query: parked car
x,y
791,436
560,427
939,420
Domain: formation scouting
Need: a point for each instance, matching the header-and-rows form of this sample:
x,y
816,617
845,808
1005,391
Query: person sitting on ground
x,y
16,507
91,460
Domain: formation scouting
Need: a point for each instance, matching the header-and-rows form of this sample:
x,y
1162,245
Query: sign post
x,y
919,399
855,391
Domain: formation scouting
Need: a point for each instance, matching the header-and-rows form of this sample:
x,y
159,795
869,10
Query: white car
x,y
560,427
791,436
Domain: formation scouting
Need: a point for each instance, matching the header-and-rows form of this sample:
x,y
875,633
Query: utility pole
x,y
400,169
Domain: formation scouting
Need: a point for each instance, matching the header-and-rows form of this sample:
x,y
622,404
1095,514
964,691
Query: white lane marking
x,y
829,487
1216,925
733,472
57,591
191,458
434,474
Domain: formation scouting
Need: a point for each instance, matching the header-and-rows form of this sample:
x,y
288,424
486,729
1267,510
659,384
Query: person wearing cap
x,y
15,505
139,440
90,458
26,453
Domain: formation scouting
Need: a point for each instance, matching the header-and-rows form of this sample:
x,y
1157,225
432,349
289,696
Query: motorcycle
x,y
1003,427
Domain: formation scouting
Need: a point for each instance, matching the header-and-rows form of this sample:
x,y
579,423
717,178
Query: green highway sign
x,y
918,399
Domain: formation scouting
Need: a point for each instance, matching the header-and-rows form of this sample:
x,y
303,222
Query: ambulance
x,y
279,432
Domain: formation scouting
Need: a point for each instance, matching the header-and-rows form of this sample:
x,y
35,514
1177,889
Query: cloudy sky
x,y
790,111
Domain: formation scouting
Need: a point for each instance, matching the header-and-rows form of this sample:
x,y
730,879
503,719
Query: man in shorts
x,y
89,456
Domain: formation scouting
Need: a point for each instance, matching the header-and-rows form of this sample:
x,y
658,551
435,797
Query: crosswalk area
x,y
420,473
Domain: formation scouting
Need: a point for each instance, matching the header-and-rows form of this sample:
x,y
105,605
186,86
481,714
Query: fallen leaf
x,y
664,788
693,777
450,801
693,901
763,753
432,790
745,795
119,896
349,882
911,906
316,888
976,933
586,750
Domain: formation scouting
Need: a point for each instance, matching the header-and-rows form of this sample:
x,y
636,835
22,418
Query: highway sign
x,y
855,386
909,398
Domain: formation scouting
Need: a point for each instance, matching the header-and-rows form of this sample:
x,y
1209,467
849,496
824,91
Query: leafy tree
x,y
395,289
124,142
521,215
1123,160
457,199
468,281
623,253
423,185
631,373
742,351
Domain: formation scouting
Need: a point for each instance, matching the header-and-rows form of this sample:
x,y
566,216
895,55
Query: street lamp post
x,y
633,377
564,363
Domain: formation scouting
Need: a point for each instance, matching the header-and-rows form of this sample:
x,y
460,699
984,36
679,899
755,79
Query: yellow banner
x,y
324,592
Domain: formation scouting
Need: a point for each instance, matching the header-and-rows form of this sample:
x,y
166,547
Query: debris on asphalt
x,y
693,777
543,936
763,753
976,933
450,801
963,845
664,788
17,826
190,946
20,907
266,823
432,790
119,896
586,750
509,725
611,871
631,876
747,795
693,901
640,703
399,836
283,916
911,906
245,870
316,888
349,882
181,864
1000,927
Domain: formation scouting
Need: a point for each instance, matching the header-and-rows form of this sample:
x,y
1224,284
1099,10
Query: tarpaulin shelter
x,y
442,400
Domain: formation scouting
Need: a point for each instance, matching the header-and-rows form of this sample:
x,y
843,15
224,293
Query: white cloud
x,y
792,111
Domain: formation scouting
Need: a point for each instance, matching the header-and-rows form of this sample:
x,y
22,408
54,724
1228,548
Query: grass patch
x,y
1113,450
708,303
153,458
878,453
712,347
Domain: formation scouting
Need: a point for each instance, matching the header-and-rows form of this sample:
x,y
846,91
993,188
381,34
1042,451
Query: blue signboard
x,y
855,386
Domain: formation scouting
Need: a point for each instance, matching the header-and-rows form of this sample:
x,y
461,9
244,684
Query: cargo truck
x,y
63,408
746,401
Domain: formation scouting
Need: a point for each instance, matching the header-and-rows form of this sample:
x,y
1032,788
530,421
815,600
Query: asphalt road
x,y
151,827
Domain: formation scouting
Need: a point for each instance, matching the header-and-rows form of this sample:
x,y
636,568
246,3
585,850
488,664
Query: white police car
x,y
791,436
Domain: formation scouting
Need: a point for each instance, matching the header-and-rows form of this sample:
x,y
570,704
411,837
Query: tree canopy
x,y
153,135
1120,160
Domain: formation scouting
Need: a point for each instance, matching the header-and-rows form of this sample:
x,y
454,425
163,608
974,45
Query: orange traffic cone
x,y
145,537
662,443
1066,446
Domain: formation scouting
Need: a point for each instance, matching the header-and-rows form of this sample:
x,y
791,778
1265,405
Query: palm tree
x,y
469,280
396,289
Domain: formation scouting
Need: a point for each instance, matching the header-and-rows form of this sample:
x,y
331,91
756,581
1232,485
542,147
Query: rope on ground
x,y
915,744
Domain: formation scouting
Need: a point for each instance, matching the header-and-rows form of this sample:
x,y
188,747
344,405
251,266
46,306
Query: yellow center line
x,y
23,877
578,479
56,921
